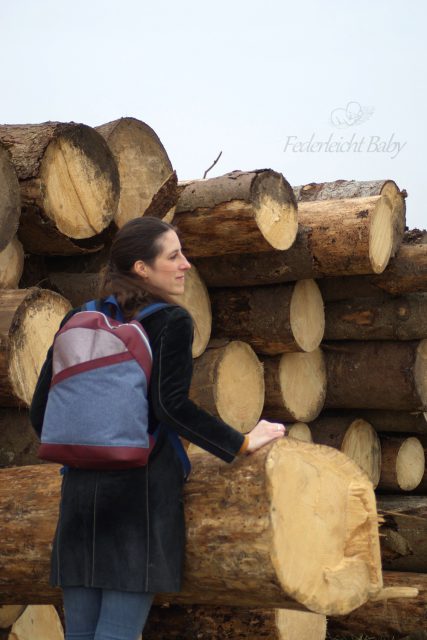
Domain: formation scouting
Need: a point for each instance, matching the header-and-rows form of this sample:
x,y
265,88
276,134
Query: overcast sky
x,y
316,90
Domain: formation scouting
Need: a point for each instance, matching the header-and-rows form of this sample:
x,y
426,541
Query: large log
x,y
391,421
9,613
221,623
404,532
354,437
29,319
228,381
273,320
37,622
403,318
250,537
406,273
392,618
69,185
18,441
10,199
240,211
142,162
11,264
326,231
295,386
402,464
377,375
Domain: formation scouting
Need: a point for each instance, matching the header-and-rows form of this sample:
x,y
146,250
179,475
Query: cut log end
x,y
300,625
11,264
240,386
300,431
10,199
275,213
420,373
303,384
381,235
35,323
361,443
344,501
81,182
410,464
307,315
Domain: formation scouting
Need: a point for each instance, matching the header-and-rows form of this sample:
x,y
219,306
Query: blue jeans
x,y
104,614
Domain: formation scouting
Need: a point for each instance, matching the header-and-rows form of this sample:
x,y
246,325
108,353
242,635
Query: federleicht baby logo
x,y
351,140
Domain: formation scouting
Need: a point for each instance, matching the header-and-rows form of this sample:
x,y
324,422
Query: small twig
x,y
212,165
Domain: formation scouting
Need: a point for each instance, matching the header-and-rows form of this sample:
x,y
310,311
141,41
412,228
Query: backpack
x,y
97,409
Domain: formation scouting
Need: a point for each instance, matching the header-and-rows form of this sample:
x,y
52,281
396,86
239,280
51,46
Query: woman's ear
x,y
140,269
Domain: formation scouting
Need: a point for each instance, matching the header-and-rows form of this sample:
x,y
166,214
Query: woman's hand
x,y
263,433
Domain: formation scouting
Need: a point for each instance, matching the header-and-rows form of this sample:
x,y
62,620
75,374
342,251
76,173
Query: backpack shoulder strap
x,y
150,309
109,306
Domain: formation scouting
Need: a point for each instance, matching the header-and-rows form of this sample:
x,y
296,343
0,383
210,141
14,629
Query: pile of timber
x,y
309,308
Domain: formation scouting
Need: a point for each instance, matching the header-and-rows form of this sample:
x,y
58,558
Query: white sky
x,y
233,76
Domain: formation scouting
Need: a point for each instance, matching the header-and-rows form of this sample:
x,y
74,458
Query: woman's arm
x,y
170,384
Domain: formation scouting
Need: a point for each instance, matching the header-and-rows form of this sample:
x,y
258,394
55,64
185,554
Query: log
x,y
38,622
403,318
402,464
295,385
377,375
29,319
242,529
11,264
228,382
221,623
9,613
354,437
10,199
142,162
403,533
396,421
393,618
273,320
240,211
299,431
18,441
406,273
69,185
326,231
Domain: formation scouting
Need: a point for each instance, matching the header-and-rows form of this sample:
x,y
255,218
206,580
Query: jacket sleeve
x,y
170,384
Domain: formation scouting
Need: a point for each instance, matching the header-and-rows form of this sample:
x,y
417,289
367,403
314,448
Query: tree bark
x,y
9,613
354,437
18,441
29,319
406,273
69,185
11,264
10,199
229,383
242,531
403,318
389,421
404,532
402,464
390,618
377,375
273,320
252,211
295,385
229,623
142,162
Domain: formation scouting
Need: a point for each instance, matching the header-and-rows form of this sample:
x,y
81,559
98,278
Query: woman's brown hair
x,y
138,239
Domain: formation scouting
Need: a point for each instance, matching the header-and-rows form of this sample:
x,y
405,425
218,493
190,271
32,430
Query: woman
x,y
120,534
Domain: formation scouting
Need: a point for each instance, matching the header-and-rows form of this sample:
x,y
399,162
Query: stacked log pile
x,y
308,309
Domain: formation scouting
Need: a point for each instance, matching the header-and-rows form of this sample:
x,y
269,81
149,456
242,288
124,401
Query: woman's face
x,y
167,273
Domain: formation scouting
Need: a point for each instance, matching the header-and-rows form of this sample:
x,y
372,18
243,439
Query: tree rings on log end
x,y
80,182
11,264
299,431
303,384
307,315
10,199
142,162
275,212
410,464
336,565
381,235
362,444
196,300
420,373
33,328
239,387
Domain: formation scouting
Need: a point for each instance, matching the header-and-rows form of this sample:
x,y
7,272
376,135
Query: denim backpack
x,y
97,410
